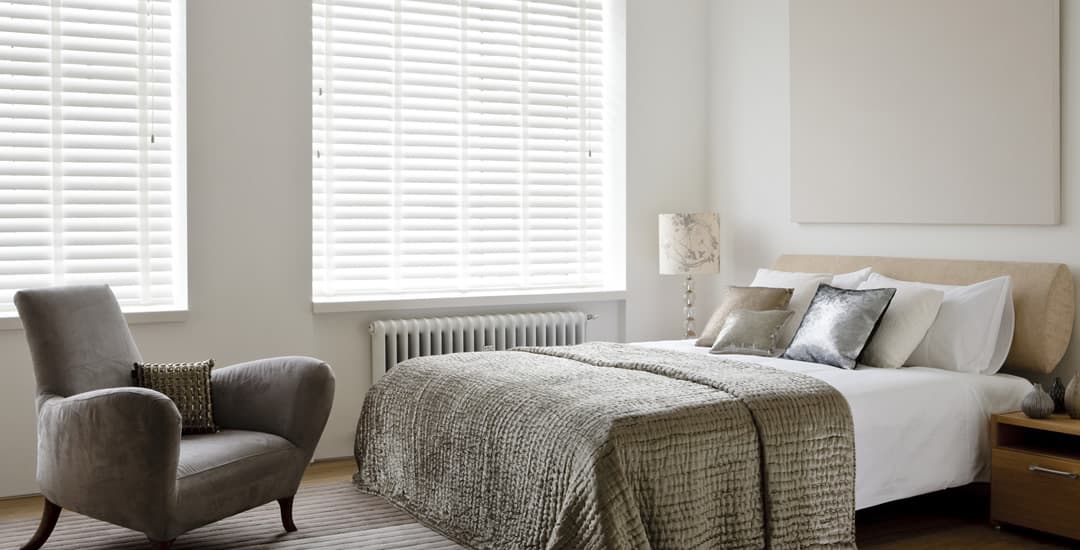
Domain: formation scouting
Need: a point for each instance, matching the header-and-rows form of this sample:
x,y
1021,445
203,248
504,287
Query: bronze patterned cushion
x,y
753,298
188,385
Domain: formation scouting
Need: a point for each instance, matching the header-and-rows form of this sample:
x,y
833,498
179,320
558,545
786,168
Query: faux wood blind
x,y
459,147
88,187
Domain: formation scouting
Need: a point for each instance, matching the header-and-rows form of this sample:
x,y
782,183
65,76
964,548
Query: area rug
x,y
334,515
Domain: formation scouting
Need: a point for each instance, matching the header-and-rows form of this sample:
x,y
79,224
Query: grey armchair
x,y
115,453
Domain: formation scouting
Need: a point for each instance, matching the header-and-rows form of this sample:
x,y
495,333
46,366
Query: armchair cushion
x,y
231,471
188,385
203,452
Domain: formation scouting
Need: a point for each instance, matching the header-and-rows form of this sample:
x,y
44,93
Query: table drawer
x,y
1036,491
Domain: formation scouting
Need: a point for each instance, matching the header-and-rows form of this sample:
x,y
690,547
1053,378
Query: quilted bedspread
x,y
610,446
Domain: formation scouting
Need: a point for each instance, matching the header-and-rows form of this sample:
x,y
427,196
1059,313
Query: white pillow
x,y
910,315
804,286
1004,336
973,330
851,281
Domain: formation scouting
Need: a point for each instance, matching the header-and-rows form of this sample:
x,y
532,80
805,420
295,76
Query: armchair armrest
x,y
286,396
110,454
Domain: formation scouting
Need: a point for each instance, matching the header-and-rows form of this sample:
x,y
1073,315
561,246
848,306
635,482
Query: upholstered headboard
x,y
1042,293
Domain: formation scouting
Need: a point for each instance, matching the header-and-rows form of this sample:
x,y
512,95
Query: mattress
x,y
917,429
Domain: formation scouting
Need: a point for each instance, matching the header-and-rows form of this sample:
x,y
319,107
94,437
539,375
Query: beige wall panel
x,y
925,111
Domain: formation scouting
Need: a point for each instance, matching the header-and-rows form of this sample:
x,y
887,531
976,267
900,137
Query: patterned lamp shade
x,y
689,243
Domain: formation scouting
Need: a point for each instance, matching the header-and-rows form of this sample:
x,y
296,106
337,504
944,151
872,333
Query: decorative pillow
x,y
973,330
910,315
838,324
743,297
188,385
749,332
803,286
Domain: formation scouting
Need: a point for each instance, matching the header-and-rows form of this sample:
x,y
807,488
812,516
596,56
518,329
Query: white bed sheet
x,y
917,429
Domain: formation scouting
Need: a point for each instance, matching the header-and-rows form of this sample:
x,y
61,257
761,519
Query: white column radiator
x,y
396,340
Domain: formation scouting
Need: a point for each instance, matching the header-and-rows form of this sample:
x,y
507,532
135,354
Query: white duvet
x,y
917,429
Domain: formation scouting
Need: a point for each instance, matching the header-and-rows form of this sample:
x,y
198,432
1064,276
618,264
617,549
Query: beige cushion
x,y
910,314
743,297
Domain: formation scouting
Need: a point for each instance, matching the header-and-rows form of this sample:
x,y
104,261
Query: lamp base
x,y
689,295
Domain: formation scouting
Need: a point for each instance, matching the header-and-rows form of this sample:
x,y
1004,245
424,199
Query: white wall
x,y
666,151
749,96
249,194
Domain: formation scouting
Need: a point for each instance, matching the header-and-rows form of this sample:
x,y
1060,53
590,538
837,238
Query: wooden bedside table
x,y
1035,473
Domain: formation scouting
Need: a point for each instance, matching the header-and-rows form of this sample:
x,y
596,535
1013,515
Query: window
x,y
91,149
465,148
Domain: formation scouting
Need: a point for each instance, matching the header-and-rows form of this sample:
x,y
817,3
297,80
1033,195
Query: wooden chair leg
x,y
49,515
286,514
161,544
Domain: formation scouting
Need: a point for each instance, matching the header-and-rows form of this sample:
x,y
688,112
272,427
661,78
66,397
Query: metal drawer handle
x,y
1042,470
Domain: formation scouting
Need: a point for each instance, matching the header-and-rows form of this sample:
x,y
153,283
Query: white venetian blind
x,y
88,188
459,147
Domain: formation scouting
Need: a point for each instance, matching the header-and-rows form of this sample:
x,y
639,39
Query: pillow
x,y
750,332
838,324
743,297
188,385
851,281
803,286
973,330
910,315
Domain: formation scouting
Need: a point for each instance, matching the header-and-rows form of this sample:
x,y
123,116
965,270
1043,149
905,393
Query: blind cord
x,y
588,77
153,70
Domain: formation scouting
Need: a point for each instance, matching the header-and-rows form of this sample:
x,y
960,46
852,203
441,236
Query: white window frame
x,y
614,195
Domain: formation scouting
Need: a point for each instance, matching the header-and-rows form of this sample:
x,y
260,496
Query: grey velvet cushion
x,y
750,332
838,324
743,297
188,385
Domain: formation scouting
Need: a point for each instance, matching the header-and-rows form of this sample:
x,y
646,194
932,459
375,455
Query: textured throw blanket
x,y
610,446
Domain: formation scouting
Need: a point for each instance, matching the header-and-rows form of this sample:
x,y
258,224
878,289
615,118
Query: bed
x,y
917,429
659,444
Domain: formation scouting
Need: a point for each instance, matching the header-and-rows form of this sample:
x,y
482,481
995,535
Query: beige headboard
x,y
1042,294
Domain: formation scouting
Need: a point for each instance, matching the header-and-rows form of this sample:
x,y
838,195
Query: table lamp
x,y
689,245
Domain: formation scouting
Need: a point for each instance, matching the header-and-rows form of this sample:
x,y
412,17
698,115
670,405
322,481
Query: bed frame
x,y
1043,296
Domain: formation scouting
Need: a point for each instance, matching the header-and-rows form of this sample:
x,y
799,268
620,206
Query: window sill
x,y
12,321
441,301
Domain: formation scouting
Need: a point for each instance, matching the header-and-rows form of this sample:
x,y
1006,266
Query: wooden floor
x,y
953,519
